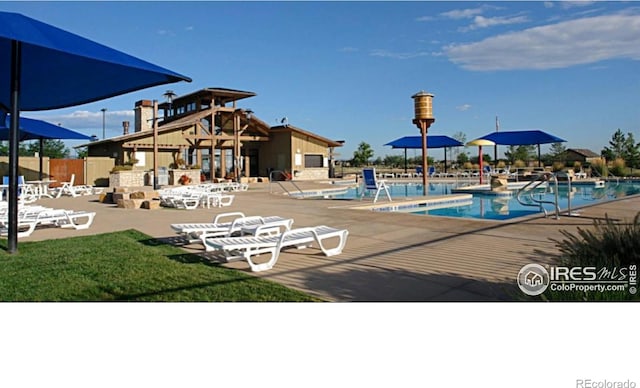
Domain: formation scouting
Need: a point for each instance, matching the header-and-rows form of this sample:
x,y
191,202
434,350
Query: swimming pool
x,y
506,206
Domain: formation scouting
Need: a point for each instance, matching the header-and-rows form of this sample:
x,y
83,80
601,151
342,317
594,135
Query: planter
x,y
174,176
131,178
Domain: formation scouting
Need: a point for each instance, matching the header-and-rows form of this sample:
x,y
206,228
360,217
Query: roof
x,y
291,128
584,152
523,137
433,141
224,95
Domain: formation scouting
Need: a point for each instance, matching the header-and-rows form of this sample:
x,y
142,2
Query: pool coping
x,y
429,202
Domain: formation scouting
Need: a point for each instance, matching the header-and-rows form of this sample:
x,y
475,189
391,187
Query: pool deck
x,y
388,256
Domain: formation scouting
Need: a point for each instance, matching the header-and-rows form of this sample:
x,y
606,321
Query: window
x,y
313,160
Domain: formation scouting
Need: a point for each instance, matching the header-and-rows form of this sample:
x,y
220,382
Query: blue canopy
x,y
32,129
61,69
433,141
43,67
526,137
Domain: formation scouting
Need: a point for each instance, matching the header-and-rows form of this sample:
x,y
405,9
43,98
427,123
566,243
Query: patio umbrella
x,y
43,67
480,143
32,129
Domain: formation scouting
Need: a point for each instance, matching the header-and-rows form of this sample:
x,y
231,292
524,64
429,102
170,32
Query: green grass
x,y
125,266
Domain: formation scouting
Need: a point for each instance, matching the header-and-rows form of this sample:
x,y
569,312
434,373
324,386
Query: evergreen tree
x,y
558,152
53,148
617,146
362,155
631,153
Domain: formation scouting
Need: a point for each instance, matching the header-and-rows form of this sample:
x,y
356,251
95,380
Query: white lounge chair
x,y
370,183
32,217
246,247
226,224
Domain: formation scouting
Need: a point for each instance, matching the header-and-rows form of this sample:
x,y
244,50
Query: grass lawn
x,y
125,266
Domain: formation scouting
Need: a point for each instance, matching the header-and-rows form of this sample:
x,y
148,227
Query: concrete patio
x,y
388,256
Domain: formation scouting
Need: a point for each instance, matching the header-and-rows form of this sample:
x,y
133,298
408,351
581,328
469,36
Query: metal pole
x,y
41,155
155,145
103,122
495,147
480,162
14,132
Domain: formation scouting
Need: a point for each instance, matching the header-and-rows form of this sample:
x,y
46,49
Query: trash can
x,y
163,176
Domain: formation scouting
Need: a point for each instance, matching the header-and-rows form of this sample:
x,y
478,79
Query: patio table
x,y
42,187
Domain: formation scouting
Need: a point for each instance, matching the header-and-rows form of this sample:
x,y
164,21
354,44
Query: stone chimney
x,y
125,127
143,115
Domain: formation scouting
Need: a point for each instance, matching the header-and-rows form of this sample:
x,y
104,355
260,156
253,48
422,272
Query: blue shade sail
x,y
32,129
526,137
433,141
61,69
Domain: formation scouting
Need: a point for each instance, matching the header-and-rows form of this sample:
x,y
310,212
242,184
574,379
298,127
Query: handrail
x,y
535,183
280,172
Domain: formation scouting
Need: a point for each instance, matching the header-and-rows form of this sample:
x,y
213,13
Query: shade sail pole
x,y
155,145
41,155
14,129
405,160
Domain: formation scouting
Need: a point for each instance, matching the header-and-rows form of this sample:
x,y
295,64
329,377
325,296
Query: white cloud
x,y
484,22
389,54
425,18
564,44
83,119
467,13
574,4
463,107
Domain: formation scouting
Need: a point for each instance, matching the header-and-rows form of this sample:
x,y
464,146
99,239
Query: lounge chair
x,y
30,217
370,183
227,224
246,247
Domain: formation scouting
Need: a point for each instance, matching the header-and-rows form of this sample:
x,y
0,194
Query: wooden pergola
x,y
207,123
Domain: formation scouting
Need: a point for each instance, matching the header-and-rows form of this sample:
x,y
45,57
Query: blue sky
x,y
347,70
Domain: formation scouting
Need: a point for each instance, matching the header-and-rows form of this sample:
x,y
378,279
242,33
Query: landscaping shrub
x,y
618,167
598,167
557,166
608,245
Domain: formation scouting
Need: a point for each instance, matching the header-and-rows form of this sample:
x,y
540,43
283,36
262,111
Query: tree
x,y
455,151
462,158
53,148
417,161
393,161
631,153
623,147
486,158
523,152
362,155
82,153
558,152
617,144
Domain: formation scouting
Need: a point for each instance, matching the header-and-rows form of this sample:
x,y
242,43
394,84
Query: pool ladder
x,y
279,173
530,187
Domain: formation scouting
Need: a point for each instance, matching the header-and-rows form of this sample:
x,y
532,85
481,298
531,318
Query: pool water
x,y
488,206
